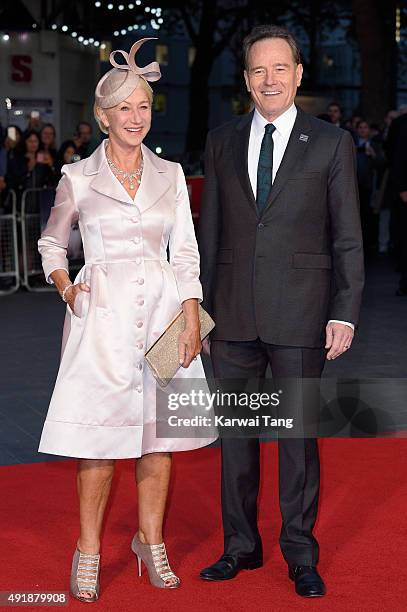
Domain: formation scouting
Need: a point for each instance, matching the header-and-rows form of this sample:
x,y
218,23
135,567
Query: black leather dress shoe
x,y
228,567
308,583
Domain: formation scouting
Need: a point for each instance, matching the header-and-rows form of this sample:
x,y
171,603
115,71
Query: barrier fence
x,y
9,260
20,261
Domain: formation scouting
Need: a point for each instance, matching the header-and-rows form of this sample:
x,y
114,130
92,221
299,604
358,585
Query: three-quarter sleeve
x,y
54,239
184,254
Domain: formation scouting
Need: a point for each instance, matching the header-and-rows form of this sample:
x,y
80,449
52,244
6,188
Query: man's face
x,y
334,113
272,77
85,133
363,130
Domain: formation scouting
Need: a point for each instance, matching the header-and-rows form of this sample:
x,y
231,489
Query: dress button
x,y
260,225
134,219
138,260
139,345
136,240
139,388
140,366
139,323
140,281
140,302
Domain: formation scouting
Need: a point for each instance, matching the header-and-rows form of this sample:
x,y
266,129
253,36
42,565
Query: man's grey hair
x,y
270,31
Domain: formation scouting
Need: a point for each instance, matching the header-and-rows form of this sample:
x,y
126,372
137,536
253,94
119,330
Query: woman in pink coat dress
x,y
131,205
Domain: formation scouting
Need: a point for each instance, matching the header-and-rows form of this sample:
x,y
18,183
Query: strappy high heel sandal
x,y
85,576
155,559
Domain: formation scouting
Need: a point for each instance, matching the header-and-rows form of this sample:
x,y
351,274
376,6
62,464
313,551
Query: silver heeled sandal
x,y
85,576
155,559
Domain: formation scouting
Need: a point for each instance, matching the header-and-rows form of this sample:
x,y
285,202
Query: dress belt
x,y
113,261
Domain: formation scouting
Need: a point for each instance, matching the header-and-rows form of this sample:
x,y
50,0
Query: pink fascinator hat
x,y
120,82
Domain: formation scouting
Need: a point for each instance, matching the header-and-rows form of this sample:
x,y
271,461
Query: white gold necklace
x,y
123,176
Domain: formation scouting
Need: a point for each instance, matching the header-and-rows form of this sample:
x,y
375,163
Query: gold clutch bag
x,y
162,356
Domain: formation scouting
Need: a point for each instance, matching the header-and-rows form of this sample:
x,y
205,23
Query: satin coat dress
x,y
104,402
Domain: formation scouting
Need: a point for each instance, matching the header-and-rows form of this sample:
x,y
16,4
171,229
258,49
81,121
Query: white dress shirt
x,y
284,125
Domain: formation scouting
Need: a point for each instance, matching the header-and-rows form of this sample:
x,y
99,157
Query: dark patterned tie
x,y
265,168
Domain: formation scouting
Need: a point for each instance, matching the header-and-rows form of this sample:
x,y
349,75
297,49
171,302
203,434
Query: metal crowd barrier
x,y
36,204
9,261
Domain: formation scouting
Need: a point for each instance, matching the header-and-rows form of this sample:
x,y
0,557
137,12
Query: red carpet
x,y
362,531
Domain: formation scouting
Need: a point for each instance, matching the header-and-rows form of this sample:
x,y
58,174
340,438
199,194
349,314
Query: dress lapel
x,y
104,181
154,183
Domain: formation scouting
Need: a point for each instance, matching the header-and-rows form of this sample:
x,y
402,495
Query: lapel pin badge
x,y
304,137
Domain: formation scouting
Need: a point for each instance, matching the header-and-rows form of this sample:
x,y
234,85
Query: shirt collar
x,y
283,124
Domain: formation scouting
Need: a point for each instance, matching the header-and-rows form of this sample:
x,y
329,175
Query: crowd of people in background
x,y
29,162
33,159
381,158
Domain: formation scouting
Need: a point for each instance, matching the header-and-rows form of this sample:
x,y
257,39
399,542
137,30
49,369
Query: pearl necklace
x,y
126,176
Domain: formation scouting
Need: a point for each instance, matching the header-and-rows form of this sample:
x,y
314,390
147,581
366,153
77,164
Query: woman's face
x,y
129,122
32,144
48,136
69,152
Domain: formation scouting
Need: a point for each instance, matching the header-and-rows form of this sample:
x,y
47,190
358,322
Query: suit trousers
x,y
298,457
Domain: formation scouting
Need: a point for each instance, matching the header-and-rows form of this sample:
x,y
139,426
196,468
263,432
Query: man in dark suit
x,y
282,274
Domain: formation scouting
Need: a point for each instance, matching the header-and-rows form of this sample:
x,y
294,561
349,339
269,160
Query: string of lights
x,y
153,16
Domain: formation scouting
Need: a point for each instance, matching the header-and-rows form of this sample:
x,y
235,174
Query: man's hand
x,y
403,196
206,346
338,339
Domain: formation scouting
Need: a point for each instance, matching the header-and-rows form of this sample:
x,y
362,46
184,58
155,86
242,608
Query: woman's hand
x,y
189,346
73,291
189,342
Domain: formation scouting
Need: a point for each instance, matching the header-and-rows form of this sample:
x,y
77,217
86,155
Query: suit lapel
x,y
296,147
240,152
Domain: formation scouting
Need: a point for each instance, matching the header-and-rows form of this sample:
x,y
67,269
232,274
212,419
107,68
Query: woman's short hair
x,y
103,128
262,32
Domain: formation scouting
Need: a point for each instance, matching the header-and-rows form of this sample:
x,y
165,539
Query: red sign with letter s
x,y
21,68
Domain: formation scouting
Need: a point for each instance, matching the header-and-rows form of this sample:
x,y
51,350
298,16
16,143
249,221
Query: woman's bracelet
x,y
64,291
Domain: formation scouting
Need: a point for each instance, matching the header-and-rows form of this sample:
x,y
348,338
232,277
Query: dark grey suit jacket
x,y
283,275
